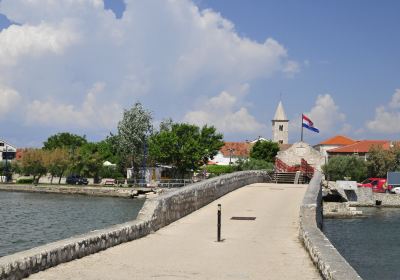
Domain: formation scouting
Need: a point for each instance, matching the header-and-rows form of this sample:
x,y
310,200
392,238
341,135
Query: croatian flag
x,y
307,123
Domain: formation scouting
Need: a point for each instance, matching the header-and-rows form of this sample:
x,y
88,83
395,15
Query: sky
x,y
75,65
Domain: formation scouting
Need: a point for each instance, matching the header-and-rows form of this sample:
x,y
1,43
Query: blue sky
x,y
337,61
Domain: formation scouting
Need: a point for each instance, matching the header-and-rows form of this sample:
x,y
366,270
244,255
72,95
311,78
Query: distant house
x,y
7,151
333,143
359,148
232,152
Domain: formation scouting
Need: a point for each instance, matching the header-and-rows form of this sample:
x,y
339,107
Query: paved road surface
x,y
267,248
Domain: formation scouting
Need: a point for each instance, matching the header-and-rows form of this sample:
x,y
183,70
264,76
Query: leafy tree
x,y
184,146
254,164
380,160
7,169
57,162
210,142
264,150
64,140
133,132
341,167
33,162
88,161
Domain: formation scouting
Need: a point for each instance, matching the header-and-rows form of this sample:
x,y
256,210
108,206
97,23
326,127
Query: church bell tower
x,y
280,126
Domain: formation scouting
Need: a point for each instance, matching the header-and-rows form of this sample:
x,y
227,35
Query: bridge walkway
x,y
266,248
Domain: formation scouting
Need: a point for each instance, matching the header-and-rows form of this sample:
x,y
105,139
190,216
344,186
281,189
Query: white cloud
x,y
226,113
395,102
164,53
18,41
90,113
327,116
9,99
387,118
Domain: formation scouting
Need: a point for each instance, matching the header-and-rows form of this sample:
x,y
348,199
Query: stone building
x,y
280,126
301,150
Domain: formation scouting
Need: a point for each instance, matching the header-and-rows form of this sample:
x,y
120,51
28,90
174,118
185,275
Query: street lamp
x,y
231,150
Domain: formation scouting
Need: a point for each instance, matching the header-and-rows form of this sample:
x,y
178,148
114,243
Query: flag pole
x,y
301,128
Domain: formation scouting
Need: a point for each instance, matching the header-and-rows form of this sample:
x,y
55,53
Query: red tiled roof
x,y
361,146
239,149
338,140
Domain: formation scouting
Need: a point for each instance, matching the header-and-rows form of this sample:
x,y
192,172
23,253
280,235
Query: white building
x,y
231,152
333,143
7,151
280,126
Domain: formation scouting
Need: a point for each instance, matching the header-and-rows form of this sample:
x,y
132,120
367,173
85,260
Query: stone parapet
x,y
155,214
327,259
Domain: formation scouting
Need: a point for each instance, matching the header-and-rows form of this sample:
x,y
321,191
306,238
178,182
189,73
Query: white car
x,y
395,190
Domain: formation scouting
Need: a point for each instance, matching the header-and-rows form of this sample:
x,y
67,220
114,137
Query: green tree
x,y
342,167
133,132
210,142
64,140
264,150
184,146
33,162
380,161
57,162
88,161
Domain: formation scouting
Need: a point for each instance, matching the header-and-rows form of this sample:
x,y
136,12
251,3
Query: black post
x,y
219,222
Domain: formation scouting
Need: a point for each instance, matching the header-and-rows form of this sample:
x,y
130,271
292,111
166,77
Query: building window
x,y
1,144
280,141
281,128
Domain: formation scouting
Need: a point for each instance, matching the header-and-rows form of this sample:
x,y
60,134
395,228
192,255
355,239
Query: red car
x,y
377,184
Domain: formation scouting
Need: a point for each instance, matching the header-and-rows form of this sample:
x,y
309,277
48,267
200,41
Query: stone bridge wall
x,y
155,214
329,262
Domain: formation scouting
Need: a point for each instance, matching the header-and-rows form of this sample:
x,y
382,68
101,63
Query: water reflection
x,y
31,219
369,244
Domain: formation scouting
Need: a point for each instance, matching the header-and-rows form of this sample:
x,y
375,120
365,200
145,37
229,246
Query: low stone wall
x,y
329,262
364,197
155,214
82,190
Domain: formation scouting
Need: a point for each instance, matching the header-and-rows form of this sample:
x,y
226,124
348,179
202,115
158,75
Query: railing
x,y
280,166
305,168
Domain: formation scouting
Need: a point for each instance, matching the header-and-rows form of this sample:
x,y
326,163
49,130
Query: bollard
x,y
219,223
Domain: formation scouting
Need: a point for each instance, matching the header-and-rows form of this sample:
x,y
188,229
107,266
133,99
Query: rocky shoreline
x,y
84,190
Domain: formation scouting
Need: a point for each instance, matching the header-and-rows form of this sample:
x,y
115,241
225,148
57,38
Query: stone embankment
x,y
325,256
155,214
361,197
81,190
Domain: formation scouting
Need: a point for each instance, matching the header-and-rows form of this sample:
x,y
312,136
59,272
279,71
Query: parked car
x,y
76,180
376,184
395,190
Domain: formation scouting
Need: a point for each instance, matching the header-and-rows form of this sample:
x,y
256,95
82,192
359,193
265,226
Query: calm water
x,y
31,219
371,245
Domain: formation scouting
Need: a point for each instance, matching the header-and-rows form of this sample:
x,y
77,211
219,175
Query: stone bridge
x,y
183,240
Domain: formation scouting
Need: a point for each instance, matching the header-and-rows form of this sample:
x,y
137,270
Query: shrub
x,y
25,181
220,169
254,164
